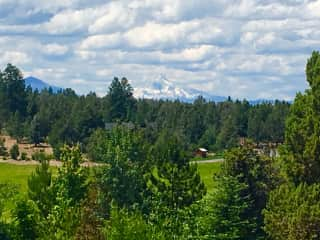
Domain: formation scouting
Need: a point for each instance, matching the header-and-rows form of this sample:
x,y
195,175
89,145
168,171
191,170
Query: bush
x,y
39,156
24,156
14,152
3,149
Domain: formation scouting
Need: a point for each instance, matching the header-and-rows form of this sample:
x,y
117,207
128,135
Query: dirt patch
x,y
30,149
25,147
54,163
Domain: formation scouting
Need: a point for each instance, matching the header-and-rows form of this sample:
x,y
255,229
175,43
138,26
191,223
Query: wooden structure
x,y
202,152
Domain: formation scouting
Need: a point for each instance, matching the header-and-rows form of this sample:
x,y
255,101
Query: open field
x,y
206,171
18,174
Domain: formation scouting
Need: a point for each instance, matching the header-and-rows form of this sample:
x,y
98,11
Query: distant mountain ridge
x,y
164,89
36,83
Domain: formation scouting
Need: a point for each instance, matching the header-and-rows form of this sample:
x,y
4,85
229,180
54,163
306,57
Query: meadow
x,y
207,170
18,174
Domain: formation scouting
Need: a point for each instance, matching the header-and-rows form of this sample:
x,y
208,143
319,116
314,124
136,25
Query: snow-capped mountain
x,y
164,89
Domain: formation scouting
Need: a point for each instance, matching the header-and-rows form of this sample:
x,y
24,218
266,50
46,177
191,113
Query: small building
x,y
202,152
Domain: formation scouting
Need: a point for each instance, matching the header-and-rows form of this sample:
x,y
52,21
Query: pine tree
x,y
301,154
120,100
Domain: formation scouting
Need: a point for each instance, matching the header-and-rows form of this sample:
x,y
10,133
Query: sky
x,y
239,48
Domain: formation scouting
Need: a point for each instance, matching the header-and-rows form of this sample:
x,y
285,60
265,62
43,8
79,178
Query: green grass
x,y
199,158
16,174
206,171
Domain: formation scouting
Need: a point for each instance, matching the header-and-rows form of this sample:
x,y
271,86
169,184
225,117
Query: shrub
x,y
3,149
39,156
24,156
14,152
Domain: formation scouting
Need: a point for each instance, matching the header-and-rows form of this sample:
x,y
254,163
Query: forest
x,y
67,118
145,186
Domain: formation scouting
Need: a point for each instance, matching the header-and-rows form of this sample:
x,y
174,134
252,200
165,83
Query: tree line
x,y
67,118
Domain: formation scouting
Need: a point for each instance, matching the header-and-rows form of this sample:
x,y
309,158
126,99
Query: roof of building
x,y
202,149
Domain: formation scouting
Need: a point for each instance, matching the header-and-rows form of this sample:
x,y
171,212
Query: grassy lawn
x,y
206,172
16,174
19,174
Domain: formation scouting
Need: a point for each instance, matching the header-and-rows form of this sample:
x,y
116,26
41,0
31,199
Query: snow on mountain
x,y
164,89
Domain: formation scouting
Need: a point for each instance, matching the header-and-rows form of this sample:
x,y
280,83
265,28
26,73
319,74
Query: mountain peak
x,y
163,88
36,83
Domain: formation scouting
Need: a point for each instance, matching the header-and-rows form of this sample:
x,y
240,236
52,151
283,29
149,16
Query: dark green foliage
x,y
258,174
293,209
7,193
293,213
175,186
125,225
24,156
72,179
14,152
313,70
172,180
125,155
301,153
120,100
35,130
53,208
223,214
40,156
27,220
90,227
39,187
3,149
97,145
12,91
16,127
65,118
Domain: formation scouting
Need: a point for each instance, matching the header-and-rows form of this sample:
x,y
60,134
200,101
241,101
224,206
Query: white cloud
x,y
70,21
15,57
314,9
242,48
55,49
116,17
102,41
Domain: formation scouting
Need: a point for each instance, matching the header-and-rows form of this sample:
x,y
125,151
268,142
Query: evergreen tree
x,y
293,208
293,212
120,100
125,154
259,176
14,152
35,130
12,81
222,214
39,188
301,154
172,180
